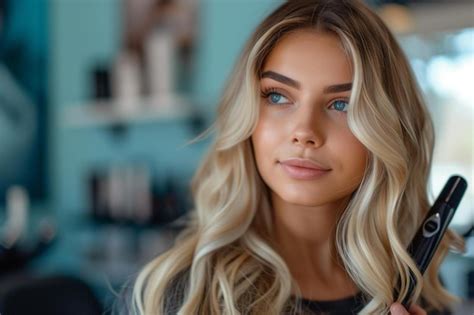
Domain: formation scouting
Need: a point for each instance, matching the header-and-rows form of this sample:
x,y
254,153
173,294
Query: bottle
x,y
18,204
160,50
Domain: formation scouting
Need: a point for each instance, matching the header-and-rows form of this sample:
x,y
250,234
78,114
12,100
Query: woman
x,y
315,182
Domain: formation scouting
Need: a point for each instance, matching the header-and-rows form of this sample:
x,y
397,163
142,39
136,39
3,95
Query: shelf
x,y
109,113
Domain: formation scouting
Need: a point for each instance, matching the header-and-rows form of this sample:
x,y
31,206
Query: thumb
x,y
398,309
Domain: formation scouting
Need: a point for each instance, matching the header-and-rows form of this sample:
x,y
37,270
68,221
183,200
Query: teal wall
x,y
82,33
85,32
225,26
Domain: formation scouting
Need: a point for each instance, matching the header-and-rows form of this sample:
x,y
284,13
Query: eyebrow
x,y
288,81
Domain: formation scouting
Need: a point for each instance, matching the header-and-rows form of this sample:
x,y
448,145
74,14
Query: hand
x,y
398,309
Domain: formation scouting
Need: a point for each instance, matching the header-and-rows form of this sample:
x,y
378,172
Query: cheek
x,y
264,138
353,155
259,150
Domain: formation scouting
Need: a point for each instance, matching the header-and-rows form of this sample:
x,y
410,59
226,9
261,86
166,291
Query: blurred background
x,y
98,101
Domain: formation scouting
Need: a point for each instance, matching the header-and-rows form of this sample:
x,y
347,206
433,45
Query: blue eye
x,y
274,98
340,105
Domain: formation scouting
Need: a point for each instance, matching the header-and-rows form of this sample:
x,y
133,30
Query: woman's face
x,y
304,149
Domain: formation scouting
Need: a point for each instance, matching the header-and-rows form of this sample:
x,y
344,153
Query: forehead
x,y
306,54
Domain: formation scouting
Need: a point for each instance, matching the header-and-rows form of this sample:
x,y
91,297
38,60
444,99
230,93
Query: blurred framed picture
x,y
23,96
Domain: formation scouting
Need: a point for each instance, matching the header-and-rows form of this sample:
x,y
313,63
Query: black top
x,y
350,305
346,306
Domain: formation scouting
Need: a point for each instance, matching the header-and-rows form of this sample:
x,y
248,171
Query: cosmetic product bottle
x,y
126,86
101,87
160,51
17,208
142,195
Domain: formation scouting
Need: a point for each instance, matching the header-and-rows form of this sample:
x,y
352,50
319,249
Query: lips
x,y
303,169
304,163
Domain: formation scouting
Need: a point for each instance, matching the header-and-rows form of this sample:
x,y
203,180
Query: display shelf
x,y
109,113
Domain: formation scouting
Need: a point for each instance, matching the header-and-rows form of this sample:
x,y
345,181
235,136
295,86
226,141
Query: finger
x,y
398,309
417,310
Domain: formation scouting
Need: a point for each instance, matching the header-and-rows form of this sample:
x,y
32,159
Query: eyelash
x,y
267,92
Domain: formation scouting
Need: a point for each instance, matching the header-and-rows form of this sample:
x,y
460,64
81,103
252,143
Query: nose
x,y
307,139
309,130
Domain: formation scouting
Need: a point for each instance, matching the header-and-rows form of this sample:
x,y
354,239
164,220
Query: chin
x,y
302,198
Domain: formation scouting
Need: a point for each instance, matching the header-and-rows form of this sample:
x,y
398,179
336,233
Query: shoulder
x,y
443,312
173,297
425,305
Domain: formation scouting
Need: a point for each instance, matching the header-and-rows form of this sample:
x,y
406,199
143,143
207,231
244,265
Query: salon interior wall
x,y
225,25
85,32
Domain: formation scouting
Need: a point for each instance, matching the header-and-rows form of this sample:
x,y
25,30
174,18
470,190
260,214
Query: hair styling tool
x,y
433,227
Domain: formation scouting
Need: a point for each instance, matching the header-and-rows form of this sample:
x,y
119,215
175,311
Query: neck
x,y
306,230
305,238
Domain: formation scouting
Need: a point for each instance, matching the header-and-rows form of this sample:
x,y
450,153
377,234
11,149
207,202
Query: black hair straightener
x,y
433,227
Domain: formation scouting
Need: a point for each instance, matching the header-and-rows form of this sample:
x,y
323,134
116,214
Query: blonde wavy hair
x,y
225,262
